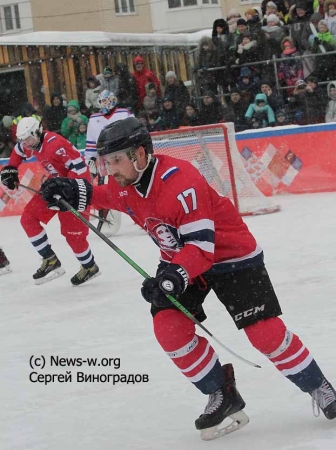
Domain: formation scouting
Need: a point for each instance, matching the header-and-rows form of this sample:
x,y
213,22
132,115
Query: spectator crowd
x,y
234,74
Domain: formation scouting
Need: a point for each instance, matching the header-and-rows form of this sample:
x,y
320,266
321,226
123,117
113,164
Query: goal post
x,y
212,149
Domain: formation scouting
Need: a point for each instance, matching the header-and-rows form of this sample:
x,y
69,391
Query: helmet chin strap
x,y
140,171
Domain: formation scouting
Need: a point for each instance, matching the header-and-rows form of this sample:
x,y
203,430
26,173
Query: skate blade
x,y
94,276
239,420
5,270
51,276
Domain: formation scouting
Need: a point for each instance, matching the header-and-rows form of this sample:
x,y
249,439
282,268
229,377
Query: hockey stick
x,y
145,275
101,219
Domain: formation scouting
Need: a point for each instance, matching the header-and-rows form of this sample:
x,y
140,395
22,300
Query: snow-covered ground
x,y
107,318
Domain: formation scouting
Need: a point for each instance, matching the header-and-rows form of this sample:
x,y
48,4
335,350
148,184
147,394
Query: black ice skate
x,y
85,274
324,398
225,402
50,270
4,263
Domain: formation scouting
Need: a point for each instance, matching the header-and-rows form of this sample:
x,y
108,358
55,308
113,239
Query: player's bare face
x,y
120,167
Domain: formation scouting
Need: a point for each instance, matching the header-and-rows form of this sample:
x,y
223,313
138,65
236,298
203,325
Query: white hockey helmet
x,y
29,132
106,101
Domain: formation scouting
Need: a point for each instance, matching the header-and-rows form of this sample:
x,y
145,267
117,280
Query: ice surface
x,y
108,318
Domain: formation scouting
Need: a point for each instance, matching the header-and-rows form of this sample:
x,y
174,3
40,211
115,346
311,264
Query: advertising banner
x,y
291,159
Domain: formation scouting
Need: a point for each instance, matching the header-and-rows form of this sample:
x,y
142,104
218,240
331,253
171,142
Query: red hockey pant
x,y
74,231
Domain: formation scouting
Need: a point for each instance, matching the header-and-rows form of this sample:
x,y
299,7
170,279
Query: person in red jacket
x,y
205,246
142,77
60,159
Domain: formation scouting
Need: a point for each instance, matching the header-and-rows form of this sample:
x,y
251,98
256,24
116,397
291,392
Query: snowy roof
x,y
101,39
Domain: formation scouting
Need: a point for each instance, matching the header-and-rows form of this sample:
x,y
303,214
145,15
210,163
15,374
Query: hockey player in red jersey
x,y
205,245
59,158
4,263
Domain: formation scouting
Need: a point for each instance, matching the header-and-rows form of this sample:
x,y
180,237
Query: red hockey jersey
x,y
192,224
56,155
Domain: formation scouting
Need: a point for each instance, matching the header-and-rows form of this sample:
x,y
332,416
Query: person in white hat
x,y
176,90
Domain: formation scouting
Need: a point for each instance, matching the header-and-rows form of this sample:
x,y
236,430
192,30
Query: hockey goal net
x,y
212,149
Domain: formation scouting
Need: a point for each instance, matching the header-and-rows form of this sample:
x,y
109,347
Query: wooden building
x,y
35,65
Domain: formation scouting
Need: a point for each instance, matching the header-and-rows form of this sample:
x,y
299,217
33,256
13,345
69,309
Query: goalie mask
x,y
106,101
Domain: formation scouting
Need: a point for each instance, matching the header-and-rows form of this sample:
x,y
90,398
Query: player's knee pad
x,y
173,329
286,351
191,353
267,335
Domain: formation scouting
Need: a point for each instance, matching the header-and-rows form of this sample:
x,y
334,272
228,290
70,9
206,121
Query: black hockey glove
x,y
172,280
77,192
10,177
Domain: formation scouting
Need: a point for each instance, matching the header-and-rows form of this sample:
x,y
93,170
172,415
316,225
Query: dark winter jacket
x,y
275,101
235,112
156,126
272,38
54,115
254,27
299,31
212,113
193,121
171,118
179,93
248,53
207,59
127,91
325,66
222,42
252,88
308,107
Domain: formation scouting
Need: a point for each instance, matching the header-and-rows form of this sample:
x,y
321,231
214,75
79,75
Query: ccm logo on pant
x,y
249,312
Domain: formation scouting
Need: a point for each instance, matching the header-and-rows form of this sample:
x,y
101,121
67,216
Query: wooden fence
x,y
65,69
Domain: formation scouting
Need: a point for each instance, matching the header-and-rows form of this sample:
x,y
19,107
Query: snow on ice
x,y
107,318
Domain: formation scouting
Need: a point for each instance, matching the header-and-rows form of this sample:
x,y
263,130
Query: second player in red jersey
x,y
60,159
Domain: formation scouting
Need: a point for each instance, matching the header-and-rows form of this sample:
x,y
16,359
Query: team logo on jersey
x,y
49,168
165,236
61,151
